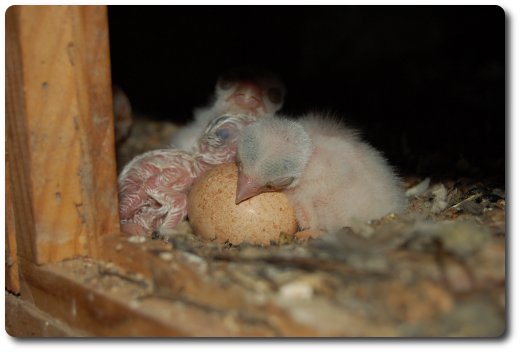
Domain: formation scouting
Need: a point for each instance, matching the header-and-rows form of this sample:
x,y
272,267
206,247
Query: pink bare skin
x,y
153,187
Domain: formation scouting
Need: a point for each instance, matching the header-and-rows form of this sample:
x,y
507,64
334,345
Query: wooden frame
x,y
61,174
62,219
60,131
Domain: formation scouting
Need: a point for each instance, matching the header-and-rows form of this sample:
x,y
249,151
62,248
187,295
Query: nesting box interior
x,y
425,85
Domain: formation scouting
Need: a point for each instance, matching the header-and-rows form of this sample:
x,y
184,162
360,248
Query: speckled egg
x,y
214,215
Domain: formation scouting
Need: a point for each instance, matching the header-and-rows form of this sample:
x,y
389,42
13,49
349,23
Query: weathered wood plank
x,y
60,130
63,295
17,136
74,293
183,289
187,278
12,281
25,320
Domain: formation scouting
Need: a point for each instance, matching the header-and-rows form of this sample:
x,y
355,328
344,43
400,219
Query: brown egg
x,y
214,215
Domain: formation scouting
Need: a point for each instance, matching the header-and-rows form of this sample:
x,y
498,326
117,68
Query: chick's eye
x,y
223,133
225,85
275,95
227,80
268,186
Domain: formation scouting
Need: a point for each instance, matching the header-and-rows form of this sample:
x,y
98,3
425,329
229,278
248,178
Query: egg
x,y
213,214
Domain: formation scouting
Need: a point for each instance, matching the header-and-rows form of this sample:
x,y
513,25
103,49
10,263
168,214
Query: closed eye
x,y
282,183
225,84
275,95
223,134
279,184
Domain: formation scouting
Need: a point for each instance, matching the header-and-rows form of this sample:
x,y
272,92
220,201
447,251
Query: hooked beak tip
x,y
246,188
242,195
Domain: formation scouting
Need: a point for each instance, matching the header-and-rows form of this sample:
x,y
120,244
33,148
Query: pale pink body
x,y
153,187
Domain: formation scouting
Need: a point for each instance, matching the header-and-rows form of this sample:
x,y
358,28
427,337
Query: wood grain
x,y
60,130
19,206
25,320
12,281
77,298
182,278
165,297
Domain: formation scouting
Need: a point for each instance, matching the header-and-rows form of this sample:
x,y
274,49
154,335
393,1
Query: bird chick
x,y
244,90
153,187
331,177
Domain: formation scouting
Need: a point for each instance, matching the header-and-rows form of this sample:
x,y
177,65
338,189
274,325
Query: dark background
x,y
424,84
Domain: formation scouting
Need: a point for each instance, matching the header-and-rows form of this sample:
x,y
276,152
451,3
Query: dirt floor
x,y
438,269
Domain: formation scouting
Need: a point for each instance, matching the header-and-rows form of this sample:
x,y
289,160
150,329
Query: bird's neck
x,y
206,161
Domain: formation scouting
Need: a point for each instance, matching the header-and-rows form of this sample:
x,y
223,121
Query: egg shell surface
x,y
214,215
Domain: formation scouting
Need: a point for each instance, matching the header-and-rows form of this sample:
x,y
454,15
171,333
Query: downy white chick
x,y
244,90
331,177
153,187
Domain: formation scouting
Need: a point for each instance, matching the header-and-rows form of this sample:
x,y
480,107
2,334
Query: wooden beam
x,y
65,294
73,293
17,146
12,281
60,136
176,275
23,319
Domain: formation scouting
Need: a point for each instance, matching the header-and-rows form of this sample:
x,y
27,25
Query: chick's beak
x,y
246,188
247,97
